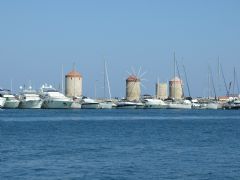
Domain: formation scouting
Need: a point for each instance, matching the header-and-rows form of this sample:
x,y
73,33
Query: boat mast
x,y
11,85
180,78
237,83
174,66
189,93
214,90
74,70
218,78
106,71
104,81
224,79
62,79
234,81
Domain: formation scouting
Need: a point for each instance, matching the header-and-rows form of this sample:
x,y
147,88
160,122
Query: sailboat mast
x,y
62,79
104,80
211,74
237,83
179,75
74,83
218,78
11,85
189,93
109,90
208,83
224,79
174,82
234,80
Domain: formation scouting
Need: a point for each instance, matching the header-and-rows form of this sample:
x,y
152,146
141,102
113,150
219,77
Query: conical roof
x,y
133,78
73,73
176,79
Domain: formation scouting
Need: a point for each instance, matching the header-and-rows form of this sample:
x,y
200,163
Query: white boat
x,y
213,105
126,105
88,103
2,102
29,99
140,105
76,103
155,104
186,104
11,101
53,99
107,104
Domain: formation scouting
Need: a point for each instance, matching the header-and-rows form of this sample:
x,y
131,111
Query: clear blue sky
x,y
37,37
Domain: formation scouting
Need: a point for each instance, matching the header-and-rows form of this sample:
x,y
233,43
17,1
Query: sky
x,y
37,38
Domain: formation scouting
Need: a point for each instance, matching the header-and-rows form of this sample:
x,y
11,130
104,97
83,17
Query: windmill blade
x,y
134,72
139,71
144,80
142,74
129,73
144,87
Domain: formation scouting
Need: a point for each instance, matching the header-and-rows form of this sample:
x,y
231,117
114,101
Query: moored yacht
x,y
88,103
126,105
76,103
213,105
234,104
53,99
11,101
29,99
185,104
155,104
2,102
108,104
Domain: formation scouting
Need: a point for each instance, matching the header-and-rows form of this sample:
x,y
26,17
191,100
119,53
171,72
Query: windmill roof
x,y
133,78
73,73
176,79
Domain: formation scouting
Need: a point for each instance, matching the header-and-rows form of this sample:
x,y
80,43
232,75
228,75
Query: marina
x,y
169,95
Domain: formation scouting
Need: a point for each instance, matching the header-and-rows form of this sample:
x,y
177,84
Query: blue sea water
x,y
120,144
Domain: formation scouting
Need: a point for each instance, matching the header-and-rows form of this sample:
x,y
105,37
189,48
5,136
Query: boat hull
x,y
90,106
2,102
106,105
214,106
179,106
126,106
76,105
31,104
149,106
56,104
12,104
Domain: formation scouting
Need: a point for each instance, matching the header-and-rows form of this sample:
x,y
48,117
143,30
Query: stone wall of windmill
x,y
176,88
133,89
73,84
161,91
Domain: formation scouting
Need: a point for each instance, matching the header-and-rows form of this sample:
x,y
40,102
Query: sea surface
x,y
120,144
